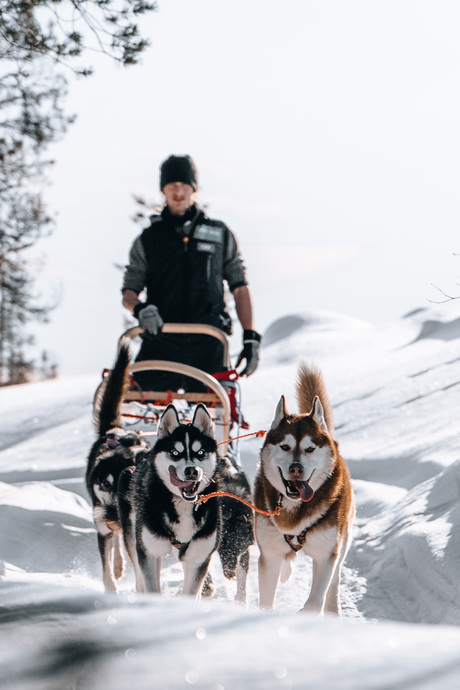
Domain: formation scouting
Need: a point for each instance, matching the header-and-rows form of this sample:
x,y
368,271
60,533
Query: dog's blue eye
x,y
200,453
175,453
285,447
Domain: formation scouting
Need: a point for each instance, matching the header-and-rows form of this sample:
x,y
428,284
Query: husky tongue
x,y
305,490
178,482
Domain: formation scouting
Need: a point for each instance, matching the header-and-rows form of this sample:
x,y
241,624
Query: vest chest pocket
x,y
205,253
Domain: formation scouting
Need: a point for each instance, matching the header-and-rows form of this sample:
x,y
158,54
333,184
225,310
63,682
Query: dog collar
x,y
268,509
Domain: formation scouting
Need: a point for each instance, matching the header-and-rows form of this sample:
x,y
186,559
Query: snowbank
x,y
395,391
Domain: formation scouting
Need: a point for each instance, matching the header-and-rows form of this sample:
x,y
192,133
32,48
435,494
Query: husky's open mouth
x,y
297,489
188,488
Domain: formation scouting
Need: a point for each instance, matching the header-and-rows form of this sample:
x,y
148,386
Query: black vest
x,y
185,273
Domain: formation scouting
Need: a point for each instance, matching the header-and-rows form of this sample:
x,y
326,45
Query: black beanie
x,y
178,169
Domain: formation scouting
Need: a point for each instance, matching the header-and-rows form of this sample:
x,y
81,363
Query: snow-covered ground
x,y
395,391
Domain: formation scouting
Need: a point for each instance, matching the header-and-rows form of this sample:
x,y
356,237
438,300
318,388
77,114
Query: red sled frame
x,y
141,409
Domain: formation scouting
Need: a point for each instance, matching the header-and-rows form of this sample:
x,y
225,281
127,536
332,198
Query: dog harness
x,y
289,538
303,534
175,542
300,539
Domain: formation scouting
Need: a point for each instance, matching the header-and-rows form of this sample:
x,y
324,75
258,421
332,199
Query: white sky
x,y
326,135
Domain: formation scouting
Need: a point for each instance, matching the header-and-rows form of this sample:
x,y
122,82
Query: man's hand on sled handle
x,y
251,339
250,352
149,317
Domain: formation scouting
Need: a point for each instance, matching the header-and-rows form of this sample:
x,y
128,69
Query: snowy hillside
x,y
395,390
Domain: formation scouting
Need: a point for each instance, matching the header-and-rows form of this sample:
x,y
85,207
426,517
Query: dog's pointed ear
x,y
168,422
317,413
202,420
280,412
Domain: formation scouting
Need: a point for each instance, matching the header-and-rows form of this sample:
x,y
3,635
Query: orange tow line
x,y
262,432
216,494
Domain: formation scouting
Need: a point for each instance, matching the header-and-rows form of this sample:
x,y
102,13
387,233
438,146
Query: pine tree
x,y
38,37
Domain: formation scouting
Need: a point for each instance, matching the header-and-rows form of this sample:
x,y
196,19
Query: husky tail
x,y
107,409
310,383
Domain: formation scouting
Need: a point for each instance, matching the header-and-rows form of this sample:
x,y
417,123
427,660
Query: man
x,y
181,260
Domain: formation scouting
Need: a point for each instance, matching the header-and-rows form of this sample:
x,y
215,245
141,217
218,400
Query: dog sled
x,y
141,409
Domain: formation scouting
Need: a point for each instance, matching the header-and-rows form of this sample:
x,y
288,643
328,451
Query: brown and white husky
x,y
302,471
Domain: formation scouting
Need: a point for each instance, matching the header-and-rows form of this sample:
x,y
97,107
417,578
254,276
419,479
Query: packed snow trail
x,y
395,392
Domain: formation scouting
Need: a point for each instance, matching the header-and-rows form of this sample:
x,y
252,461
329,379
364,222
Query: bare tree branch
x,y
449,298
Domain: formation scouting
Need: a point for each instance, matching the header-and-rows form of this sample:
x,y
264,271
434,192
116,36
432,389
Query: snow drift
x,y
395,390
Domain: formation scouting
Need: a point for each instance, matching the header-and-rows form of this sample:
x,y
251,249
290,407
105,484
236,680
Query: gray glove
x,y
149,317
250,352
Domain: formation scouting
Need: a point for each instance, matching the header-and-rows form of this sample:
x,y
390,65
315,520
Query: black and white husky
x,y
113,451
158,502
